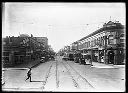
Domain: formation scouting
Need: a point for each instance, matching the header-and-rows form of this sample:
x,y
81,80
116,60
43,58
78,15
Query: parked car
x,y
79,58
76,58
82,60
71,57
52,57
42,60
65,58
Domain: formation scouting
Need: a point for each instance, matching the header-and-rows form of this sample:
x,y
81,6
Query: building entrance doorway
x,y
111,55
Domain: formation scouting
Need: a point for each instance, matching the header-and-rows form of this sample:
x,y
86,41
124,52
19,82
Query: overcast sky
x,y
62,23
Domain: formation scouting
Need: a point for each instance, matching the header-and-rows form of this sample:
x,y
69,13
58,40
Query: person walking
x,y
29,75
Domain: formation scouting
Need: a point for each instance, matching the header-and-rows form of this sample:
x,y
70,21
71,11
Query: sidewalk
x,y
103,65
25,65
14,78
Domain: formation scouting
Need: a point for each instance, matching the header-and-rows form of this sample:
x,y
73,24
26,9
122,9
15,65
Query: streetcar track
x,y
57,79
81,76
46,77
74,81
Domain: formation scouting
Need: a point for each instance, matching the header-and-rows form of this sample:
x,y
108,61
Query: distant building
x,y
43,40
24,35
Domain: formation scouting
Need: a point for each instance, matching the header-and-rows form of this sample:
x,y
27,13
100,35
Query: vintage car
x,y
65,58
71,56
42,59
79,58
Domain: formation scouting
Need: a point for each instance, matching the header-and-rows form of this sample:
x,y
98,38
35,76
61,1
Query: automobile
x,y
52,57
82,60
77,57
42,59
71,57
65,58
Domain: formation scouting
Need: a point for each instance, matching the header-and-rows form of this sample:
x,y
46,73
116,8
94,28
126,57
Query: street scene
x,y
61,75
63,47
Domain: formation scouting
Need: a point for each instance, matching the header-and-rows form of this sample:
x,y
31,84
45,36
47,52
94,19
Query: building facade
x,y
17,50
106,45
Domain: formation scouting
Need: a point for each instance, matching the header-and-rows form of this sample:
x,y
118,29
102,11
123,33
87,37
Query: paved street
x,y
60,75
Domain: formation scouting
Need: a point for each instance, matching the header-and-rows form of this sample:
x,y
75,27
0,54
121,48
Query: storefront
x,y
115,56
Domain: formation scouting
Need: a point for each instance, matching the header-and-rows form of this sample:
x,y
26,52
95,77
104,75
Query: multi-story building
x,y
13,50
21,49
107,44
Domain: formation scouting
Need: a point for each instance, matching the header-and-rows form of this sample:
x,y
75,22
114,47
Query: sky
x,y
61,23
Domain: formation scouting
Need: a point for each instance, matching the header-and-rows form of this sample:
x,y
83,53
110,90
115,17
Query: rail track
x,y
74,81
76,75
57,75
46,77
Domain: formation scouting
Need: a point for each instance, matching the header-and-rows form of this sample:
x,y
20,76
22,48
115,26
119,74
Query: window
x,y
5,53
94,42
97,41
102,41
111,39
121,40
10,39
89,44
85,44
122,35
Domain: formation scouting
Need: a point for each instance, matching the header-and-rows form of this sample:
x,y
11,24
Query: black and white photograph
x,y
63,47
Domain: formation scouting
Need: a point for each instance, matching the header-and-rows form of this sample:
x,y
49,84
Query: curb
x,y
95,64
